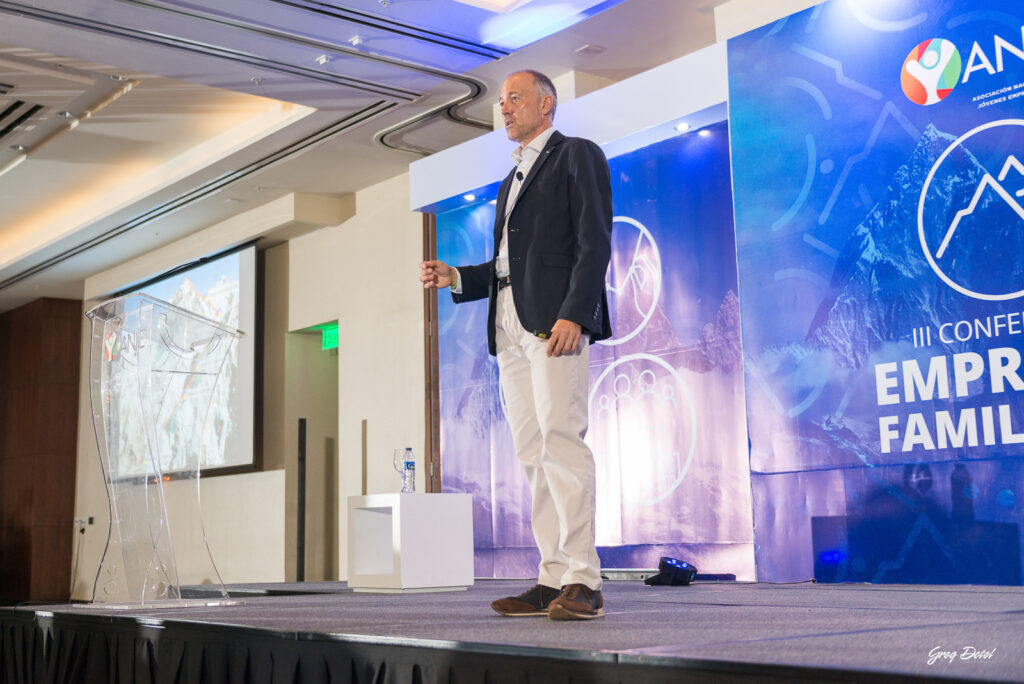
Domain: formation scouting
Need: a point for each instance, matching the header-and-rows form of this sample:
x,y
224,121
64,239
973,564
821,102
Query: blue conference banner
x,y
878,173
666,391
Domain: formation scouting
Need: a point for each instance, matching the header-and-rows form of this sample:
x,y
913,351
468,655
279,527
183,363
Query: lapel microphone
x,y
519,176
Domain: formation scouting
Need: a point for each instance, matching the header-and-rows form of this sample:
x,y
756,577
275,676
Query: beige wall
x,y
311,392
273,269
363,274
243,532
300,380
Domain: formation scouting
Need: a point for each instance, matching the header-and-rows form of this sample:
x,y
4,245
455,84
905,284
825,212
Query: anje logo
x,y
931,71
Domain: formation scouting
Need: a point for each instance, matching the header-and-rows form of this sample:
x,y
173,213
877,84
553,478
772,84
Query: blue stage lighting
x,y
672,572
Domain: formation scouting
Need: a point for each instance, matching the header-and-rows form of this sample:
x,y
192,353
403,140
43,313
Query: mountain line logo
x,y
988,182
970,214
930,71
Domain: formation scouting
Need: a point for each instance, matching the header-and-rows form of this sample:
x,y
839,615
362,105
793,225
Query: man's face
x,y
523,109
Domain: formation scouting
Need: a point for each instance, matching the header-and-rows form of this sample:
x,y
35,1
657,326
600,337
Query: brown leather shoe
x,y
577,602
531,603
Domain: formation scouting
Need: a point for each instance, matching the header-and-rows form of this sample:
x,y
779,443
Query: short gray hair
x,y
544,87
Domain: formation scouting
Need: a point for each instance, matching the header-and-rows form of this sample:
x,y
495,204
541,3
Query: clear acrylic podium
x,y
153,368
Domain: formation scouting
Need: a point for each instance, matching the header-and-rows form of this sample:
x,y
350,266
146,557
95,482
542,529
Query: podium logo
x,y
110,345
931,71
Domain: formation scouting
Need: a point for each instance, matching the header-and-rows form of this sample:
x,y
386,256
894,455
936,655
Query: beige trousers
x,y
546,405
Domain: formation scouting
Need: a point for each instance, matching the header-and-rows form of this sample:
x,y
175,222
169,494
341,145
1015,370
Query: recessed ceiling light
x,y
355,41
682,127
322,59
469,197
704,133
589,49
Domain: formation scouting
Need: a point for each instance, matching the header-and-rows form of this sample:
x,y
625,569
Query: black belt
x,y
504,282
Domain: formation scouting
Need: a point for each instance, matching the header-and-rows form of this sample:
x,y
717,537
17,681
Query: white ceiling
x,y
146,120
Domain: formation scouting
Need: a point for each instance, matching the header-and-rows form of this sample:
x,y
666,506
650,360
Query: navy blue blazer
x,y
559,242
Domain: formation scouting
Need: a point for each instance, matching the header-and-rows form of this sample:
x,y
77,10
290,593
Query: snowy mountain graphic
x,y
882,286
875,293
987,182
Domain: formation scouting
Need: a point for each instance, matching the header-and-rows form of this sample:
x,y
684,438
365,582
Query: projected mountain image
x,y
876,291
211,290
221,304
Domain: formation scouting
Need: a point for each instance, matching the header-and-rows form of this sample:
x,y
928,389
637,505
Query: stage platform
x,y
322,632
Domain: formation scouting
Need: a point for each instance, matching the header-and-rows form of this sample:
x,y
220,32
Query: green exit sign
x,y
329,337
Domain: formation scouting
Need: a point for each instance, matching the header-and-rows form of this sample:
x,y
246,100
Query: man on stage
x,y
545,290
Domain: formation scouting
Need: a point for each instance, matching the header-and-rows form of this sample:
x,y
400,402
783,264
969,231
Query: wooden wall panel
x,y
39,385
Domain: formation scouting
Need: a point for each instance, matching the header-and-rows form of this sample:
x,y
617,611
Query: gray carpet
x,y
874,628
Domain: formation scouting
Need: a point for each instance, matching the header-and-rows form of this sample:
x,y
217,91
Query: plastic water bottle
x,y
408,472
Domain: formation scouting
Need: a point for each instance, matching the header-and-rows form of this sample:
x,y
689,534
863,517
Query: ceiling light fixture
x,y
355,41
71,122
589,49
322,59
34,67
469,197
682,127
12,163
704,133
